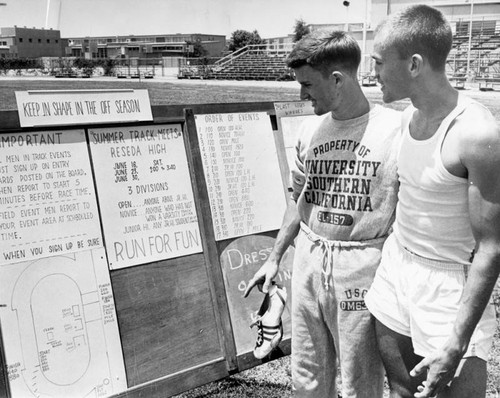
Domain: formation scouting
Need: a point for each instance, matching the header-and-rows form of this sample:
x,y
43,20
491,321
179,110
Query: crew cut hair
x,y
419,29
326,51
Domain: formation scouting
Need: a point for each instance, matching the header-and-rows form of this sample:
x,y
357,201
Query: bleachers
x,y
483,59
262,62
253,65
124,72
253,62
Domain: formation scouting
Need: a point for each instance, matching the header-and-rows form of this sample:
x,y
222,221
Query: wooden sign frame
x,y
174,319
244,360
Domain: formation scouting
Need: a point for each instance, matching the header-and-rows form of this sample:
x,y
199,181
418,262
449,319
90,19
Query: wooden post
x,y
214,270
4,374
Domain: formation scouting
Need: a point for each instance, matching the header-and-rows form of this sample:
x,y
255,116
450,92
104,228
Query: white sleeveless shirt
x,y
432,215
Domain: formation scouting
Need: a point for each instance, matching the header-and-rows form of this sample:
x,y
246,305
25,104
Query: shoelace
x,y
260,332
265,332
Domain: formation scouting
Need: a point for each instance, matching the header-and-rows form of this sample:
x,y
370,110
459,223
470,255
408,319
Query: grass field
x,y
271,380
161,92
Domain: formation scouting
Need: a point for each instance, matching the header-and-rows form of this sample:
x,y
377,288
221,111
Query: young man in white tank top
x,y
431,294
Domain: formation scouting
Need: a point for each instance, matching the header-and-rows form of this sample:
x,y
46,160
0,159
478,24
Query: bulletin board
x,y
151,230
244,234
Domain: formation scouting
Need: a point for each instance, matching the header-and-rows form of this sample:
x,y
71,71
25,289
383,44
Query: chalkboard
x,y
240,259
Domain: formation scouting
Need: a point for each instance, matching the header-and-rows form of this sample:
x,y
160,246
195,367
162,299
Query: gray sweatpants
x,y
330,322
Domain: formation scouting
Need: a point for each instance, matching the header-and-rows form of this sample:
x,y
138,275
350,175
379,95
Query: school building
x,y
17,42
145,46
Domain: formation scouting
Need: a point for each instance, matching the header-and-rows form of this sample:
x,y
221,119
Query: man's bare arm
x,y
287,233
480,155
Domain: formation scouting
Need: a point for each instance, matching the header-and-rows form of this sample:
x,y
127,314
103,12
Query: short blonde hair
x,y
419,29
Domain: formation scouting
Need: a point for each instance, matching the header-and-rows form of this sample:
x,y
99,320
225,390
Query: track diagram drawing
x,y
60,329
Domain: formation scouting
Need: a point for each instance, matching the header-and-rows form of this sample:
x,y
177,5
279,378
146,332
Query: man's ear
x,y
416,64
338,78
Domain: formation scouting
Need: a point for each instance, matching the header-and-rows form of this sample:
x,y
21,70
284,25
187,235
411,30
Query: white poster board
x,y
70,107
242,173
293,108
147,204
290,116
59,326
47,196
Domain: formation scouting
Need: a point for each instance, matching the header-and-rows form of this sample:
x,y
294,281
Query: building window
x,y
39,40
102,52
20,40
57,41
30,40
48,40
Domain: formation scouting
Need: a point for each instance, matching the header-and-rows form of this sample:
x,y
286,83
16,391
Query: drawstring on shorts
x,y
329,247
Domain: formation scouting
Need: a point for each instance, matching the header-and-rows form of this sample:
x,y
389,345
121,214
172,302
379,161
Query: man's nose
x,y
304,95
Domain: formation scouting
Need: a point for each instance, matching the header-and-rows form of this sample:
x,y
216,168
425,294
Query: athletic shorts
x,y
419,298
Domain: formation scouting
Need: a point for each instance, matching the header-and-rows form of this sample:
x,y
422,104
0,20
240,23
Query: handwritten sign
x,y
59,107
147,210
47,200
290,116
295,108
242,173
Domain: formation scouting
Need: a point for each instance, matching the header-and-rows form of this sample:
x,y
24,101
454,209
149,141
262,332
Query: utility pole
x,y
48,15
364,67
365,27
470,37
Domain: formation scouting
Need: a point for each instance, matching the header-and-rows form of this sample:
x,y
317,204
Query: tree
x,y
241,38
108,66
300,30
87,66
198,49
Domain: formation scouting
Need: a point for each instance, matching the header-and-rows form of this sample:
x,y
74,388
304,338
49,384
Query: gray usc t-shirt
x,y
345,178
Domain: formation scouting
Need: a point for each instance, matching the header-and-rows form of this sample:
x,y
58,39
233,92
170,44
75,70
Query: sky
x,y
79,18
